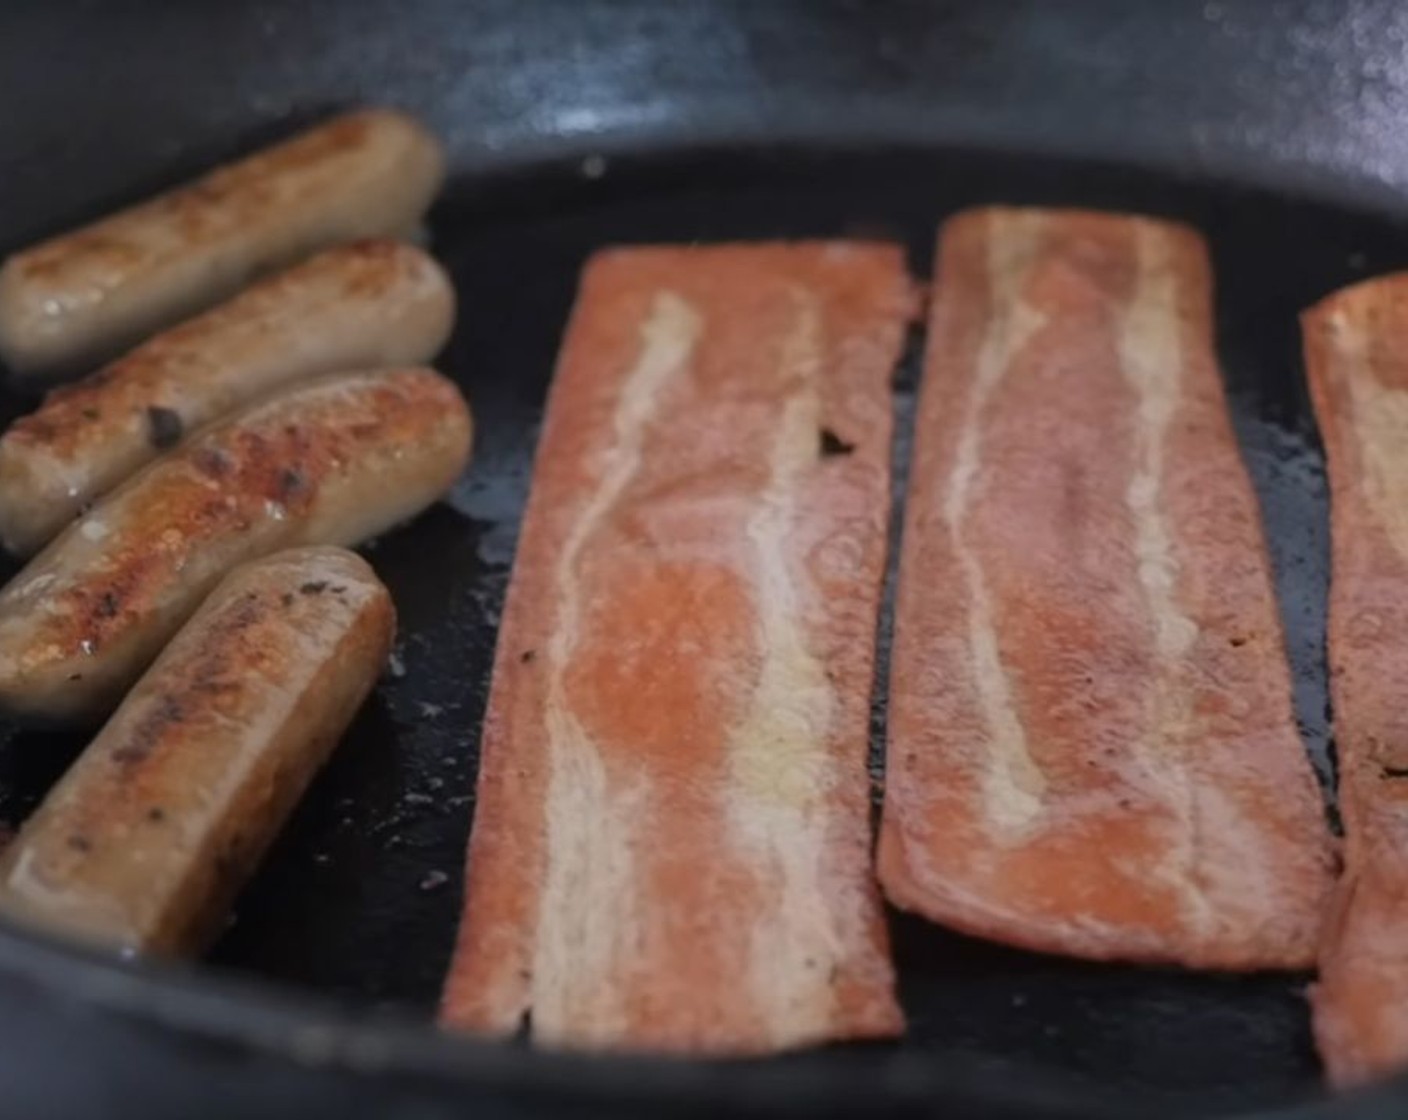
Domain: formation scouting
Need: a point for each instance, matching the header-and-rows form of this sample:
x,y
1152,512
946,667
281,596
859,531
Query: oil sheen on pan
x,y
671,841
1092,749
1358,370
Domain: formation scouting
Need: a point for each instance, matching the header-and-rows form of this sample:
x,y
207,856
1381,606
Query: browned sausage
x,y
79,298
370,303
144,842
332,461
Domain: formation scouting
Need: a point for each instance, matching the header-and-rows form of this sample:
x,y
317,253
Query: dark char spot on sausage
x,y
164,427
149,731
214,686
314,587
212,463
290,482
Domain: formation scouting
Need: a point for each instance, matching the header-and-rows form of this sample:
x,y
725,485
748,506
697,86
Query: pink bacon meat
x,y
1358,368
671,839
1092,748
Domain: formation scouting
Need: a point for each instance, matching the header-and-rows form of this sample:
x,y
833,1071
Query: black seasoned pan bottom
x,y
360,897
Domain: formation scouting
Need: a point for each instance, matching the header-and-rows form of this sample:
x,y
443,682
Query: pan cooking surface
x,y
360,896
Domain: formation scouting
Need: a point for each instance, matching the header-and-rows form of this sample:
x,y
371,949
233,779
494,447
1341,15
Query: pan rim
x,y
1252,145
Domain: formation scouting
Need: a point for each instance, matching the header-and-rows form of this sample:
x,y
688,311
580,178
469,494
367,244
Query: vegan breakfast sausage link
x,y
82,297
370,303
1358,370
143,843
1092,749
331,461
671,839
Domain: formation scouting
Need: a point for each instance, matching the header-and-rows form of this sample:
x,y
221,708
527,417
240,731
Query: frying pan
x,y
1277,129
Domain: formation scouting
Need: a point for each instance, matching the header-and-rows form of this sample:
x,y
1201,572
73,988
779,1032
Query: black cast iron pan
x,y
1277,129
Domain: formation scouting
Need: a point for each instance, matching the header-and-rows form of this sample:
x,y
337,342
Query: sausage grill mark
x,y
142,740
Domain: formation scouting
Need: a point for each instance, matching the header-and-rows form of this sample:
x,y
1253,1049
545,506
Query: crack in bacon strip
x,y
671,841
1358,370
1092,748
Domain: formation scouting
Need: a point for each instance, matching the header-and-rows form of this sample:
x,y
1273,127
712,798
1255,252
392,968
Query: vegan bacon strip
x,y
1356,353
1092,748
671,838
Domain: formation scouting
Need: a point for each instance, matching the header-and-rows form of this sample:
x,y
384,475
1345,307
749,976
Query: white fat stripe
x,y
1013,784
781,768
587,899
1151,358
